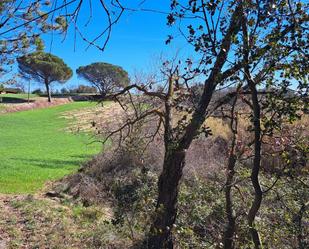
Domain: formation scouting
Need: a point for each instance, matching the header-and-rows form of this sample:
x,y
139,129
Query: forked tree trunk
x,y
47,89
160,236
168,185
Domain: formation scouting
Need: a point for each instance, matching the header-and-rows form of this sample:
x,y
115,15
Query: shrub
x,y
126,176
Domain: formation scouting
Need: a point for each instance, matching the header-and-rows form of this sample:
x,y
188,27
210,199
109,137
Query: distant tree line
x,y
79,89
46,68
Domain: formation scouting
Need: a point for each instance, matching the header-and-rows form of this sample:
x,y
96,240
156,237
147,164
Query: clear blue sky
x,y
135,41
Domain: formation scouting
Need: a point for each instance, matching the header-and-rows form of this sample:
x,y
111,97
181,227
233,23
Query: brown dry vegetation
x,y
93,118
28,221
116,171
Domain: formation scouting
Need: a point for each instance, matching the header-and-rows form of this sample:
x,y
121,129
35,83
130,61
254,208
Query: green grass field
x,y
19,95
34,148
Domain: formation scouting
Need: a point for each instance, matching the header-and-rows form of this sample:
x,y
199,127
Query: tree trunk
x,y
258,194
228,237
230,227
160,236
160,233
299,226
47,89
168,185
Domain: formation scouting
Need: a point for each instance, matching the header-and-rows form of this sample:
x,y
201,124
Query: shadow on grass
x,y
52,163
84,157
12,100
76,97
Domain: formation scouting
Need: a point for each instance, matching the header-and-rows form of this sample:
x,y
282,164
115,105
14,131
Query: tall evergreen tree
x,y
44,68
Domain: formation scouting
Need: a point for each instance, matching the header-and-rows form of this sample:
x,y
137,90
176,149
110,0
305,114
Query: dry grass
x,y
94,118
218,127
40,222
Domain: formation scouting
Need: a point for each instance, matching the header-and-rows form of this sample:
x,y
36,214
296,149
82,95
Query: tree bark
x,y
161,236
258,193
47,89
231,220
228,237
299,226
166,210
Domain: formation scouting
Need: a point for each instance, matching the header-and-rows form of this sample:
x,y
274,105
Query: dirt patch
x,y
9,230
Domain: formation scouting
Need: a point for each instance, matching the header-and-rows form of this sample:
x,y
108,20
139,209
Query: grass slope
x,y
34,148
18,96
